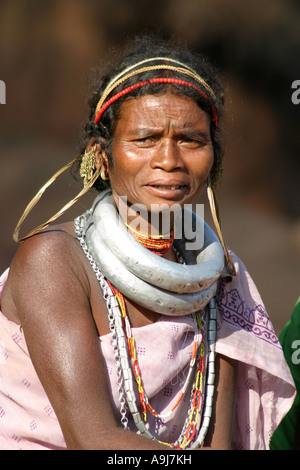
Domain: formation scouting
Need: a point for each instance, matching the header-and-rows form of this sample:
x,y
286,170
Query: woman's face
x,y
162,151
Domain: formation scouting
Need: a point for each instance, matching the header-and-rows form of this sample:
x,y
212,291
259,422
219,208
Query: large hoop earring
x,y
214,208
38,196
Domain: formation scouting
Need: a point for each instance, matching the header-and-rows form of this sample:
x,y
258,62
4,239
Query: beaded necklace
x,y
144,400
192,435
159,244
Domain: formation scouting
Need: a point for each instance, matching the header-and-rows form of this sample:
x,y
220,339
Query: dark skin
x,y
53,293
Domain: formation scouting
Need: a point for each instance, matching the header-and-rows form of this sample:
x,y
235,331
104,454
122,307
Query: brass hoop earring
x,y
38,196
212,198
103,175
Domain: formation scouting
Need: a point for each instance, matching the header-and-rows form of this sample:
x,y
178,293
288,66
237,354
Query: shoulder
x,y
50,273
242,276
52,257
49,246
238,295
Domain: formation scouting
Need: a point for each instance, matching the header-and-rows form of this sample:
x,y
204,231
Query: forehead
x,y
157,110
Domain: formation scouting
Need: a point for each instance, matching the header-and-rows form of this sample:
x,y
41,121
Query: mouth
x,y
171,190
170,187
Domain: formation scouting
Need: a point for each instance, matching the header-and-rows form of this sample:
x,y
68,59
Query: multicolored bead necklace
x,y
127,366
159,244
192,435
144,401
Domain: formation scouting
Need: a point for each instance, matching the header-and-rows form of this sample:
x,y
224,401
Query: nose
x,y
167,156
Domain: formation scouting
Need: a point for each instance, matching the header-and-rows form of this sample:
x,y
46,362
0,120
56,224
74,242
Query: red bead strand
x,y
154,80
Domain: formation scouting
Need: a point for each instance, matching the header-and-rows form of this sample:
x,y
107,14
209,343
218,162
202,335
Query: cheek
x,y
210,162
203,167
128,162
124,174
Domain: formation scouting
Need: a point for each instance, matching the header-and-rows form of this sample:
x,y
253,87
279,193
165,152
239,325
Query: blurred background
x,y
47,51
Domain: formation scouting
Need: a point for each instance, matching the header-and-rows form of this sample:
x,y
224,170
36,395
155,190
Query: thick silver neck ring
x,y
149,280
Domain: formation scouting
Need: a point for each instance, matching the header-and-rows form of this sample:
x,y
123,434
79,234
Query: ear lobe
x,y
104,166
98,156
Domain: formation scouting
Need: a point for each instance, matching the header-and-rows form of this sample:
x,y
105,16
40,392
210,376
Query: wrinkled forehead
x,y
156,112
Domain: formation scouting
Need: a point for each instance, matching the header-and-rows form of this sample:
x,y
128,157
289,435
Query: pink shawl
x,y
265,388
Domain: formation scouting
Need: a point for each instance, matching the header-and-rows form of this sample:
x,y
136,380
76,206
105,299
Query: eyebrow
x,y
186,132
195,133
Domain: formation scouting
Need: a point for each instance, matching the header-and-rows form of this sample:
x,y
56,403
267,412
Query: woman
x,y
152,144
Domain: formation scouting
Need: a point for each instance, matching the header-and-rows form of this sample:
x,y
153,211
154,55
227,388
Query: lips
x,y
171,189
168,183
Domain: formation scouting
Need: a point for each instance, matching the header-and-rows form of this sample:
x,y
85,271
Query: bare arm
x,y
52,299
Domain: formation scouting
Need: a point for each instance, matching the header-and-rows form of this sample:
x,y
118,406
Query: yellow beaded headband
x,y
151,59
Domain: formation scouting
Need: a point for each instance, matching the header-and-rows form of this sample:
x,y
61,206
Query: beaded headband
x,y
123,76
146,82
108,88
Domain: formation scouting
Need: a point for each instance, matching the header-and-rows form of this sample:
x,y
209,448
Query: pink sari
x,y
265,389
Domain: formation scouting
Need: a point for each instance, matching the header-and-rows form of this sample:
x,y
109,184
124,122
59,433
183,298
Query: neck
x,y
159,244
153,229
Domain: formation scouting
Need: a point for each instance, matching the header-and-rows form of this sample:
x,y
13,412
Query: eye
x,y
191,143
147,141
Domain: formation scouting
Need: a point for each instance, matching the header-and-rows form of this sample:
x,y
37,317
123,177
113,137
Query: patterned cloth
x,y
265,388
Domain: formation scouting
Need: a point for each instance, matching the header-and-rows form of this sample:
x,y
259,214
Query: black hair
x,y
137,50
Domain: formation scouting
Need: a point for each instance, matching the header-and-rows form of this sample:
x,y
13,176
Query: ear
x,y
100,155
102,162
